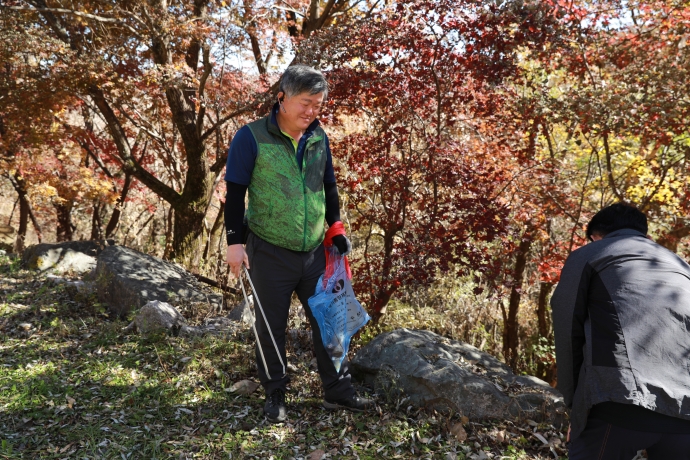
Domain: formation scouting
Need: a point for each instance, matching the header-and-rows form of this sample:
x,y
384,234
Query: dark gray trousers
x,y
276,273
603,441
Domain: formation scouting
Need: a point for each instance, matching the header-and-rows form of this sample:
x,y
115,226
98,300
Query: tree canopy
x,y
471,138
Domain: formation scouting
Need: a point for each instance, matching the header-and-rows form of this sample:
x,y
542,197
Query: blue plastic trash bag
x,y
337,311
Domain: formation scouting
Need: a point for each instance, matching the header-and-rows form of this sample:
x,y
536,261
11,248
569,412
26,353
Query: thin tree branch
x,y
250,30
155,136
74,13
223,120
284,8
55,24
20,186
130,164
95,157
609,168
325,14
214,283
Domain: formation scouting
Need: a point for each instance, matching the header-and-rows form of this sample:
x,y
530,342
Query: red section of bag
x,y
336,229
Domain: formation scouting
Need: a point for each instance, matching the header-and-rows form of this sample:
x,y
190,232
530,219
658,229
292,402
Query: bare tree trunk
x,y
546,371
542,311
511,340
37,227
169,225
64,222
250,29
20,241
115,216
189,235
153,235
25,213
215,233
96,223
382,296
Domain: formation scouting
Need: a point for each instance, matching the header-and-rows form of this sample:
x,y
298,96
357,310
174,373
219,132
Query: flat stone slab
x,y
438,373
71,256
127,279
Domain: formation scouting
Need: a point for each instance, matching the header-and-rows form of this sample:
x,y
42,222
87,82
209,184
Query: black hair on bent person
x,y
616,217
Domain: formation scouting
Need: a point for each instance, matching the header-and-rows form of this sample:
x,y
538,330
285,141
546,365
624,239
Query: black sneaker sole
x,y
336,406
277,419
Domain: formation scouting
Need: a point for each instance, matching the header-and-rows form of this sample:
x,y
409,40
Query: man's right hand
x,y
235,257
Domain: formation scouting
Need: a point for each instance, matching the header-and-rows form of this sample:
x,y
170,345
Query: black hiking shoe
x,y
274,409
353,403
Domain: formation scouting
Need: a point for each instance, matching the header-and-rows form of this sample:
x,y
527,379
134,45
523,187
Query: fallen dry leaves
x,y
459,432
77,388
316,455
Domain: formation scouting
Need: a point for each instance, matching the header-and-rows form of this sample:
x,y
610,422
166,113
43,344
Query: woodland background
x,y
473,140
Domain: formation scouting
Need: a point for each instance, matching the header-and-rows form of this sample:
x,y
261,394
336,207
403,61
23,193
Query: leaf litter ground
x,y
73,386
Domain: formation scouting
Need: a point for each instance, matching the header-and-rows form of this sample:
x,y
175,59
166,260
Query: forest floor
x,y
73,386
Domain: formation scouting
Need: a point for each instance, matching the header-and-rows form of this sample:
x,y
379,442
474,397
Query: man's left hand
x,y
342,244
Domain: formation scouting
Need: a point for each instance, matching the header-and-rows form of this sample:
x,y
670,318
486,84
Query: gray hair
x,y
299,79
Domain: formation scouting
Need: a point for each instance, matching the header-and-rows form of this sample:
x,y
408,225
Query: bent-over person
x,y
621,316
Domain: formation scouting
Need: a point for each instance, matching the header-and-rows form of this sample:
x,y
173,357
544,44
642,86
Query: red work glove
x,y
335,236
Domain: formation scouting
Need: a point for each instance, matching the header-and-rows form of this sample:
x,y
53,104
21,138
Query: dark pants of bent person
x,y
603,441
276,273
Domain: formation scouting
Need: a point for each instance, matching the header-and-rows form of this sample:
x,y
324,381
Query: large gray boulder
x,y
127,279
438,373
71,256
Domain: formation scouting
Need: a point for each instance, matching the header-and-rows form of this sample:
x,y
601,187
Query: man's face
x,y
301,109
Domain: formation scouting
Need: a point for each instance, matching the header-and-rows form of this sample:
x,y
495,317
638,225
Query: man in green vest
x,y
284,161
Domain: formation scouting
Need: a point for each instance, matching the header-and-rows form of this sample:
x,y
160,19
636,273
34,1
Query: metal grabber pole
x,y
252,320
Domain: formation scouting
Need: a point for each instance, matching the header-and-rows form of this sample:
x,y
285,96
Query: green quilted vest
x,y
287,207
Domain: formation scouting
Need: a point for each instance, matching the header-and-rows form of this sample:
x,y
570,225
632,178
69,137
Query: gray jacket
x,y
621,317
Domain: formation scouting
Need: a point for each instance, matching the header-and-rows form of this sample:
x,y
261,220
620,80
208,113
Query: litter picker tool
x,y
248,317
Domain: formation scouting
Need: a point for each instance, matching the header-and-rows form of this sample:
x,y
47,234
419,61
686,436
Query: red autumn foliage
x,y
425,82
